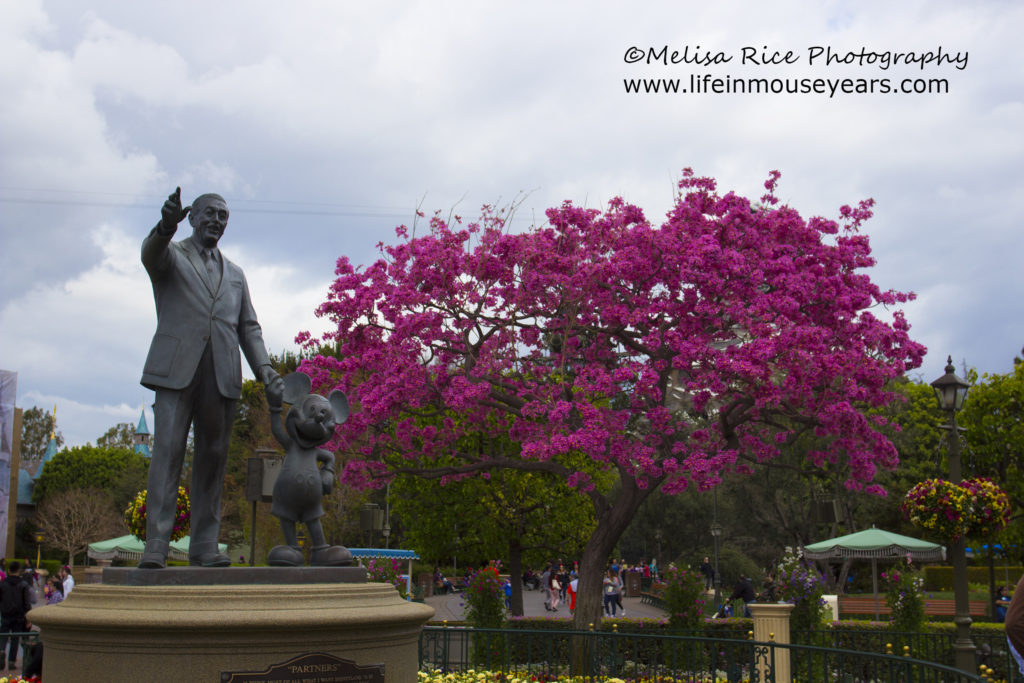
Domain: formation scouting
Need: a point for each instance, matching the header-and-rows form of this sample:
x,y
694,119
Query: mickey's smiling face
x,y
312,421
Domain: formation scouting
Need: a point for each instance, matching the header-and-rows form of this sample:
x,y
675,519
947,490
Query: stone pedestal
x,y
160,625
832,603
95,574
771,623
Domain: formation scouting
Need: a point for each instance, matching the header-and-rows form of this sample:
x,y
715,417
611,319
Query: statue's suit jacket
x,y
192,311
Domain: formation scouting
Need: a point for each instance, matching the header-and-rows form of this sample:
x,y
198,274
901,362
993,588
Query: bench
x,y
933,607
653,596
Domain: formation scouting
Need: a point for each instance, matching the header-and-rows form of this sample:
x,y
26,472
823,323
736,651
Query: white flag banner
x,y
8,391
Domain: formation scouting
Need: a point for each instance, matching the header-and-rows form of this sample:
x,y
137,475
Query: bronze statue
x,y
204,314
307,473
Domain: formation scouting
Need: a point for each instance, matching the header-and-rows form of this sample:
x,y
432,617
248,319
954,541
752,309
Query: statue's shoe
x,y
153,561
285,556
210,560
330,556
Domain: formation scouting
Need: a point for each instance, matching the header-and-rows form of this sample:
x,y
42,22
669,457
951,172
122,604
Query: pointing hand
x,y
172,212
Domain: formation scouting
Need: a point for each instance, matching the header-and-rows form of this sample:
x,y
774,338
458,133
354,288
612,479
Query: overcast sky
x,y
326,124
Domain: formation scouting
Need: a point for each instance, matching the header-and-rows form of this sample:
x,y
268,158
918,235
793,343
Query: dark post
x,y
950,391
716,531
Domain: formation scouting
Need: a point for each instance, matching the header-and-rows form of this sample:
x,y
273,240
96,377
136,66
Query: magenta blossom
x,y
666,354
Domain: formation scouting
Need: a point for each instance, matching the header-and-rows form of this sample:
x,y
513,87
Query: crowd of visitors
x,y
21,589
559,581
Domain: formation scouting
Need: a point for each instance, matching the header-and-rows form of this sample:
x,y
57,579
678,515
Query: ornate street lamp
x,y
39,545
951,391
716,531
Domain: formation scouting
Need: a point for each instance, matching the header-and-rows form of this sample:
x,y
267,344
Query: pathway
x,y
450,608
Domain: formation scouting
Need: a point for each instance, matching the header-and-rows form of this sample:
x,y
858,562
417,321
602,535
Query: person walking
x,y
573,585
612,588
554,589
709,574
15,602
545,585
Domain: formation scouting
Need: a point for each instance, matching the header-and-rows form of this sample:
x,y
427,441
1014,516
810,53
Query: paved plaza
x,y
450,607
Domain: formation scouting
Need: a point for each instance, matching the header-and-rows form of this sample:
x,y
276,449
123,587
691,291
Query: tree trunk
x,y
515,571
611,524
843,573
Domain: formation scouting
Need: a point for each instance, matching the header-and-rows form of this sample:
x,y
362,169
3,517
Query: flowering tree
x,y
664,355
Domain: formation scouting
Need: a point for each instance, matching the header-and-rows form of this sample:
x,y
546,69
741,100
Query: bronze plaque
x,y
315,667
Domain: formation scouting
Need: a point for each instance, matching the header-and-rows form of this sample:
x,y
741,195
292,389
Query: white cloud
x,y
314,112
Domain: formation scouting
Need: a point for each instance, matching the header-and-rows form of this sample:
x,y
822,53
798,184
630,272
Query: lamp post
x,y
39,545
716,531
951,391
387,517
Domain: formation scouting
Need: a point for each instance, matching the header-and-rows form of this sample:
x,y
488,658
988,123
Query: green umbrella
x,y
131,548
874,544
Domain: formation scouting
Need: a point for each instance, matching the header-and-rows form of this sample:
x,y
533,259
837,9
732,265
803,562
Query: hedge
x,y
939,578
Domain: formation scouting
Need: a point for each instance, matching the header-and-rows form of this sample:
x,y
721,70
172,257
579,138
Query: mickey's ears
x,y
339,402
296,386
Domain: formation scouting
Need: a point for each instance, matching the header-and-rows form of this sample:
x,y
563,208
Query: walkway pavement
x,y
450,607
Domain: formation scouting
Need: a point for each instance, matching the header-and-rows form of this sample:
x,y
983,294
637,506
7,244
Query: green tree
x,y
120,472
36,427
993,424
526,517
121,435
249,433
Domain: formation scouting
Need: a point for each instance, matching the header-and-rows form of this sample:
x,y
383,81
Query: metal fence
x,y
26,640
991,647
660,657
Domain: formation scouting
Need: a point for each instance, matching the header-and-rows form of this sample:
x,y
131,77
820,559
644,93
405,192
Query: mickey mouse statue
x,y
302,480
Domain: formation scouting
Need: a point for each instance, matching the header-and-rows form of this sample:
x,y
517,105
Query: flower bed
x,y
473,676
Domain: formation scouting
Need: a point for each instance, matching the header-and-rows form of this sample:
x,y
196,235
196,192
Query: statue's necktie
x,y
211,266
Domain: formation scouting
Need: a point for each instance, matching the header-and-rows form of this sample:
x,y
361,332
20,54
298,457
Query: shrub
x,y
485,608
485,600
903,596
384,571
803,586
684,598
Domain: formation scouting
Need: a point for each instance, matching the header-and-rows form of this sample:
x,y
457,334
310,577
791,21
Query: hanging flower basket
x,y
976,507
135,516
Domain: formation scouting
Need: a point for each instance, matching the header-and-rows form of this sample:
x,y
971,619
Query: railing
x,y
27,640
659,657
991,648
